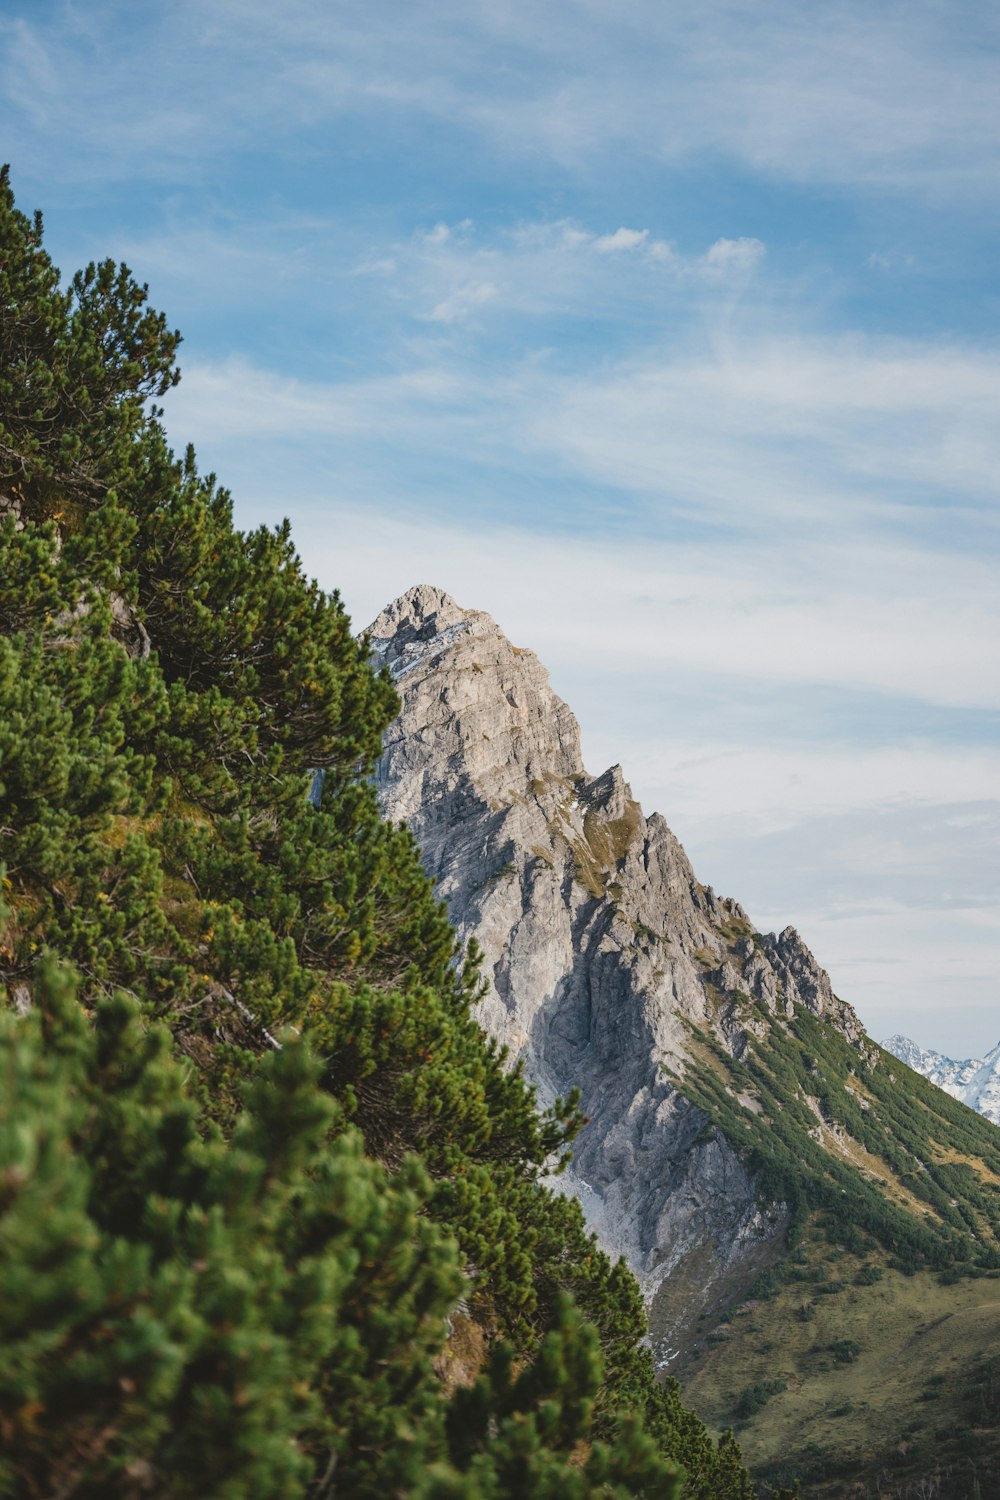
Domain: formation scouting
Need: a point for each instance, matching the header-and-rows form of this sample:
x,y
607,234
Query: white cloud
x,y
734,255
385,265
234,401
912,627
33,79
622,239
875,459
767,788
798,428
463,301
559,267
662,250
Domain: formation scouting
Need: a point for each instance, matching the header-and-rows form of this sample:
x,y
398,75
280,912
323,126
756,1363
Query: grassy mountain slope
x,y
864,1363
860,1386
254,1148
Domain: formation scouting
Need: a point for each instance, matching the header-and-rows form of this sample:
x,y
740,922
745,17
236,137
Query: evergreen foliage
x,y
254,1145
902,1178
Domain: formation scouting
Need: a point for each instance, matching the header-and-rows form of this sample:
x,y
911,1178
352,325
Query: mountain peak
x,y
418,614
601,948
481,709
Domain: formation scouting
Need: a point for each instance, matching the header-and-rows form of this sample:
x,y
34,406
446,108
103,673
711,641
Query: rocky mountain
x,y
748,1150
976,1082
602,948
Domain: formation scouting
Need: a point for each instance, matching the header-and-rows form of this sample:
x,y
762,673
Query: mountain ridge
x,y
974,1081
564,882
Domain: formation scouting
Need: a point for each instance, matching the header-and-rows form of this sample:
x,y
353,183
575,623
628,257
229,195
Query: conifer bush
x,y
253,1145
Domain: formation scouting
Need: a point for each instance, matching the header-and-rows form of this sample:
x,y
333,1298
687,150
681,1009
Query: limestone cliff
x,y
602,949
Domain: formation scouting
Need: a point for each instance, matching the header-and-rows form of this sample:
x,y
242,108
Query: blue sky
x,y
667,333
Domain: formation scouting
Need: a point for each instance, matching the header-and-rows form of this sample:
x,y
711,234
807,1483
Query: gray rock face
x,y
602,950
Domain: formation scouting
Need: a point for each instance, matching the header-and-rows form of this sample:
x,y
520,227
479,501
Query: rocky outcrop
x,y
604,954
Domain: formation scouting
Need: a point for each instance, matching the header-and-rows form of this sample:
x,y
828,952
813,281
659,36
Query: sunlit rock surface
x,y
601,948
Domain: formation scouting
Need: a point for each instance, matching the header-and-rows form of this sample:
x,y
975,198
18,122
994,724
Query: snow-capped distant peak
x,y
976,1081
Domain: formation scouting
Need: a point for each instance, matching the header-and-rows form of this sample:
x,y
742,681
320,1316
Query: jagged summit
x,y
491,717
602,948
418,614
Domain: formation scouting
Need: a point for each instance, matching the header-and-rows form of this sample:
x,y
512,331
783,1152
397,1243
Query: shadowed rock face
x,y
601,949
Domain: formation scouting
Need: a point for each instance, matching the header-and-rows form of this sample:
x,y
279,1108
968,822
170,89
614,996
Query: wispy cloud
x,y
847,93
461,302
903,627
511,278
559,266
894,442
727,255
891,260
754,596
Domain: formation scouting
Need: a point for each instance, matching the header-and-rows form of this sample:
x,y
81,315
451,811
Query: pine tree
x,y
77,367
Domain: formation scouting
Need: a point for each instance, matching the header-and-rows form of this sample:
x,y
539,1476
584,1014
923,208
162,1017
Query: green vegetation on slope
x,y
857,1365
900,1162
252,1145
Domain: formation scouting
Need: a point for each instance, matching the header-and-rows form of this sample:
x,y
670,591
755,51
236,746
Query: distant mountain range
x,y
976,1082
